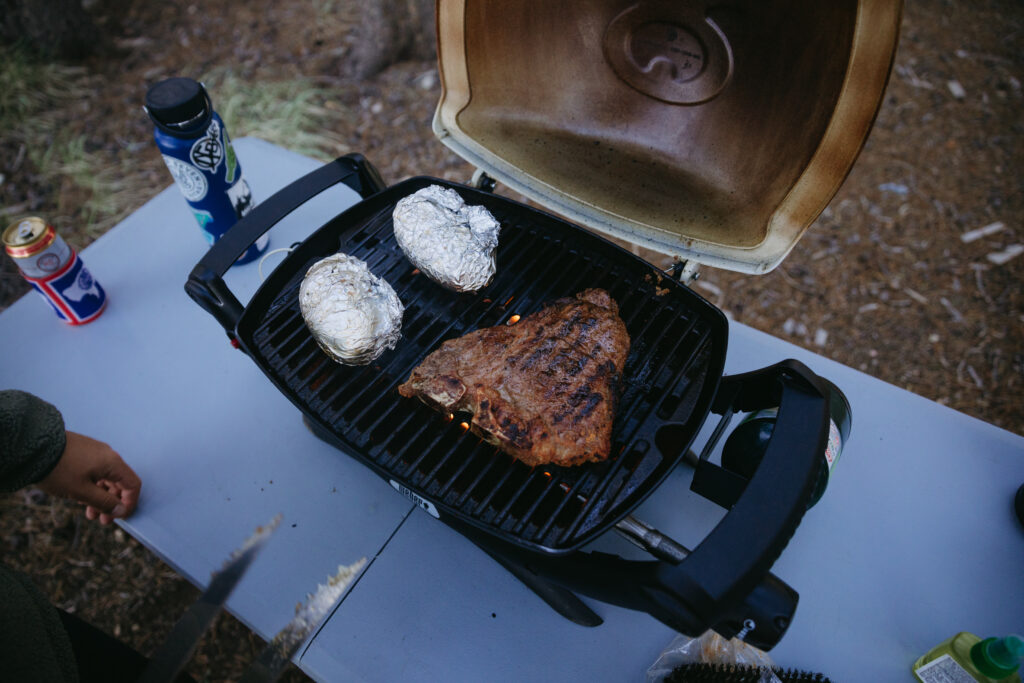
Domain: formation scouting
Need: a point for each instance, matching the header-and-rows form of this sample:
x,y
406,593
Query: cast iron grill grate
x,y
553,508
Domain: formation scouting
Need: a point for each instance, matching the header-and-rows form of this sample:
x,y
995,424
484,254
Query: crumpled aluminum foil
x,y
352,314
450,241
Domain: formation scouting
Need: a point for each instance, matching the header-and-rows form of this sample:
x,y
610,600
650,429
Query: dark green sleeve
x,y
32,439
33,643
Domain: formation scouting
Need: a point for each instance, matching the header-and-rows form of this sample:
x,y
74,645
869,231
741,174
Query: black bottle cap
x,y
179,106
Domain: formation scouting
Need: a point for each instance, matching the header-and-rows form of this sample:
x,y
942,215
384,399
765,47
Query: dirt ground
x,y
890,280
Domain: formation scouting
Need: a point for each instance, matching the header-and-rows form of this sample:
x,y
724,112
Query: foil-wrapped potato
x,y
450,241
352,314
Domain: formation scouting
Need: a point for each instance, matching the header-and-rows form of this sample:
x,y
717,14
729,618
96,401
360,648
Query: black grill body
x,y
535,519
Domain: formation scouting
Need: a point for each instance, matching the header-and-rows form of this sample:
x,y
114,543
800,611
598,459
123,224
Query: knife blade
x,y
180,644
274,658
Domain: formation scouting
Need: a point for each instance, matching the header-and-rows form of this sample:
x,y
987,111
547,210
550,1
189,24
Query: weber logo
x,y
414,497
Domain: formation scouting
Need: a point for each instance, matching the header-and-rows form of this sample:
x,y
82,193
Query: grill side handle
x,y
732,561
205,283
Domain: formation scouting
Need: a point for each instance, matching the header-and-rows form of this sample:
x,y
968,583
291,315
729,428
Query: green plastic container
x,y
988,660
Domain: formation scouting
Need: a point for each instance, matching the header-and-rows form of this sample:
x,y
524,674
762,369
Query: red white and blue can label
x,y
73,293
54,270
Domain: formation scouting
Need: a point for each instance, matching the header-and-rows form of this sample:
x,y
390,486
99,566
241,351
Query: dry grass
x,y
29,89
292,113
95,188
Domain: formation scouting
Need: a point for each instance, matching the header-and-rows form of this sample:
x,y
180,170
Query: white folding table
x,y
914,540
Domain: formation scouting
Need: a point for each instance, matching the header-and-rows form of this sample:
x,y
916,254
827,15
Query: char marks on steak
x,y
543,390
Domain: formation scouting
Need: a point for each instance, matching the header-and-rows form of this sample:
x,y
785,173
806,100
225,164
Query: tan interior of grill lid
x,y
704,131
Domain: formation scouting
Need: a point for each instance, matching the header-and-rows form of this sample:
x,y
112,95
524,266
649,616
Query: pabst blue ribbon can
x,y
53,268
198,152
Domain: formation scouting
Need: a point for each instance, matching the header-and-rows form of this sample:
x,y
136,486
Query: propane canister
x,y
746,446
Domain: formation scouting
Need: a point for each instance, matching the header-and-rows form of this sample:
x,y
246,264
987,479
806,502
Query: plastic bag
x,y
710,648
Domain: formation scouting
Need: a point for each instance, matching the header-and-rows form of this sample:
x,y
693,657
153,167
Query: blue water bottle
x,y
198,152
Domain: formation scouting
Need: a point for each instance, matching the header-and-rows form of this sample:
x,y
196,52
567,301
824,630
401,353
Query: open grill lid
x,y
706,131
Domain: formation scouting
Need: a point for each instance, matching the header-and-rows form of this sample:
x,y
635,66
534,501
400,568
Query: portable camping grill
x,y
536,520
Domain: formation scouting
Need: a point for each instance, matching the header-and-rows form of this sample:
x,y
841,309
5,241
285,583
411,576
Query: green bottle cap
x,y
998,657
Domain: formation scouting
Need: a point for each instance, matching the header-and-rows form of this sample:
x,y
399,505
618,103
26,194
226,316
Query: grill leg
x,y
562,600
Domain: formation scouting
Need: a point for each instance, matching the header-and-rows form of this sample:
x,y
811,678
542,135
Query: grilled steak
x,y
543,390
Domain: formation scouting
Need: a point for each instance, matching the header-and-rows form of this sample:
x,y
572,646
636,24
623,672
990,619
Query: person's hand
x,y
93,473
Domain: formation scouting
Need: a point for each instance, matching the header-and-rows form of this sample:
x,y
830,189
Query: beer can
x,y
54,270
197,150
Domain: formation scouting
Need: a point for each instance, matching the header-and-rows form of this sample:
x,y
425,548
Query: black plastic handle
x,y
725,580
206,282
732,561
